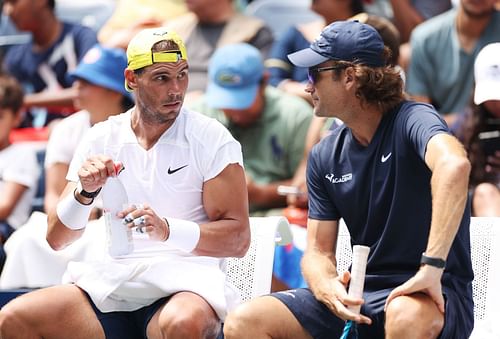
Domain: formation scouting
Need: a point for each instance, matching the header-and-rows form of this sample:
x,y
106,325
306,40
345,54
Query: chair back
x,y
252,274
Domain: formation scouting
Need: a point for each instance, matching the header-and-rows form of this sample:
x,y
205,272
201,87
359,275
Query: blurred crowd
x,y
62,68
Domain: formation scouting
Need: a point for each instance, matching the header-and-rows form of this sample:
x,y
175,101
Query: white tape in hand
x,y
358,271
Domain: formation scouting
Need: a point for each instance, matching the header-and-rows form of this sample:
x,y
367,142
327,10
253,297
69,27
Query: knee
x,y
407,318
238,322
188,325
8,321
486,200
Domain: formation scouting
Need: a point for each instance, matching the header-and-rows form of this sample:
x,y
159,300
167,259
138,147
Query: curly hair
x,y
11,93
379,86
478,119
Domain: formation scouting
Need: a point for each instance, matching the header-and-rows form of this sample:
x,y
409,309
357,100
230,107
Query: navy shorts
x,y
127,325
321,323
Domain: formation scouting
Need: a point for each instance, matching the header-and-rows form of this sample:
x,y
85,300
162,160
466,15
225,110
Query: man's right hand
x,y
337,300
95,171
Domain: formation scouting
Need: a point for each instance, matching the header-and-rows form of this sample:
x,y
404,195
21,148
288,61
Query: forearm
x,y
319,271
58,234
224,238
266,195
295,88
5,210
62,97
406,18
449,195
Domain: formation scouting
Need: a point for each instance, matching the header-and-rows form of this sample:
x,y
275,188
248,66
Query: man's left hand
x,y
143,219
427,281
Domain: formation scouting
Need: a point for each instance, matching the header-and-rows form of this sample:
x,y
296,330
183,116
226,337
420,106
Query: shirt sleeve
x,y
421,124
85,39
82,153
278,65
25,170
59,150
321,206
222,151
417,79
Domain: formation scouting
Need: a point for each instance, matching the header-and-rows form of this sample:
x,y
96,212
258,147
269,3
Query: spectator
x,y
42,64
18,165
294,79
100,93
269,124
212,24
399,180
98,82
480,133
131,16
443,50
410,13
171,284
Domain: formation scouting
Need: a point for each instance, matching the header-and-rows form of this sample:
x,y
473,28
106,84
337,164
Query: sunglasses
x,y
312,73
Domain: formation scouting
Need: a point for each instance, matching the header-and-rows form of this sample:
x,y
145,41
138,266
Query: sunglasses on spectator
x,y
312,73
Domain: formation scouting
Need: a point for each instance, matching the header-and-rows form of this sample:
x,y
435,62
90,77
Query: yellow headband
x,y
139,52
143,60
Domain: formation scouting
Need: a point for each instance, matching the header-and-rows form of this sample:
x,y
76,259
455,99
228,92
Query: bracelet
x,y
183,235
167,233
432,261
84,204
72,213
84,193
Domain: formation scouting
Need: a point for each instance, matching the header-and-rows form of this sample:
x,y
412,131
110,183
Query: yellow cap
x,y
139,52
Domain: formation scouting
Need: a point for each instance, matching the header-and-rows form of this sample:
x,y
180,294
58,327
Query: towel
x,y
129,284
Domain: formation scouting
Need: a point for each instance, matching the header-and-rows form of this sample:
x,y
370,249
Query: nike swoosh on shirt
x,y
172,171
385,157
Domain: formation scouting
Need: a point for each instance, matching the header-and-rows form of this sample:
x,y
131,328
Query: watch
x,y
84,193
432,261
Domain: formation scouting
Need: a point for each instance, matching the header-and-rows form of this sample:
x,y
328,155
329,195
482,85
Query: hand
x,y
145,220
427,281
298,200
493,163
337,300
96,170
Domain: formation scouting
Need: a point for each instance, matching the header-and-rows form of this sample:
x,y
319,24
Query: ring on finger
x,y
140,221
128,218
140,229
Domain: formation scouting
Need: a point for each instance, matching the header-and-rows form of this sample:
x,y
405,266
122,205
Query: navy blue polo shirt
x,y
383,193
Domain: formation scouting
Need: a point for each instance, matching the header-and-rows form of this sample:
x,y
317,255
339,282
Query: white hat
x,y
487,74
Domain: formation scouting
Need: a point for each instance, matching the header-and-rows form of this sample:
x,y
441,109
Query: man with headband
x,y
183,176
398,178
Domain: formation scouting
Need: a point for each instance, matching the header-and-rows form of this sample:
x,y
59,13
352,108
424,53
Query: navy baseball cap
x,y
343,41
235,72
104,67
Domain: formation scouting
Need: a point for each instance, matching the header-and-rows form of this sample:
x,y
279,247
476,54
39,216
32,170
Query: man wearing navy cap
x,y
270,125
399,180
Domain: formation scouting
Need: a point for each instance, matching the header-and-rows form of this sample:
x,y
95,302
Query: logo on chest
x,y
337,180
172,171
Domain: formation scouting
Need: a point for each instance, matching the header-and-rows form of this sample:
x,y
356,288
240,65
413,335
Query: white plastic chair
x,y
485,253
252,274
485,249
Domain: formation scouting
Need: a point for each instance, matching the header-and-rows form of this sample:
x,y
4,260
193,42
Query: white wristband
x,y
184,234
73,214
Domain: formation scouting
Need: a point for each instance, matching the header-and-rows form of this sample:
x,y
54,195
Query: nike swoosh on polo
x,y
385,157
172,171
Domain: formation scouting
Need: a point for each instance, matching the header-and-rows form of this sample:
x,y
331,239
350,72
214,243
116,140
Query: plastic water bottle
x,y
119,236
